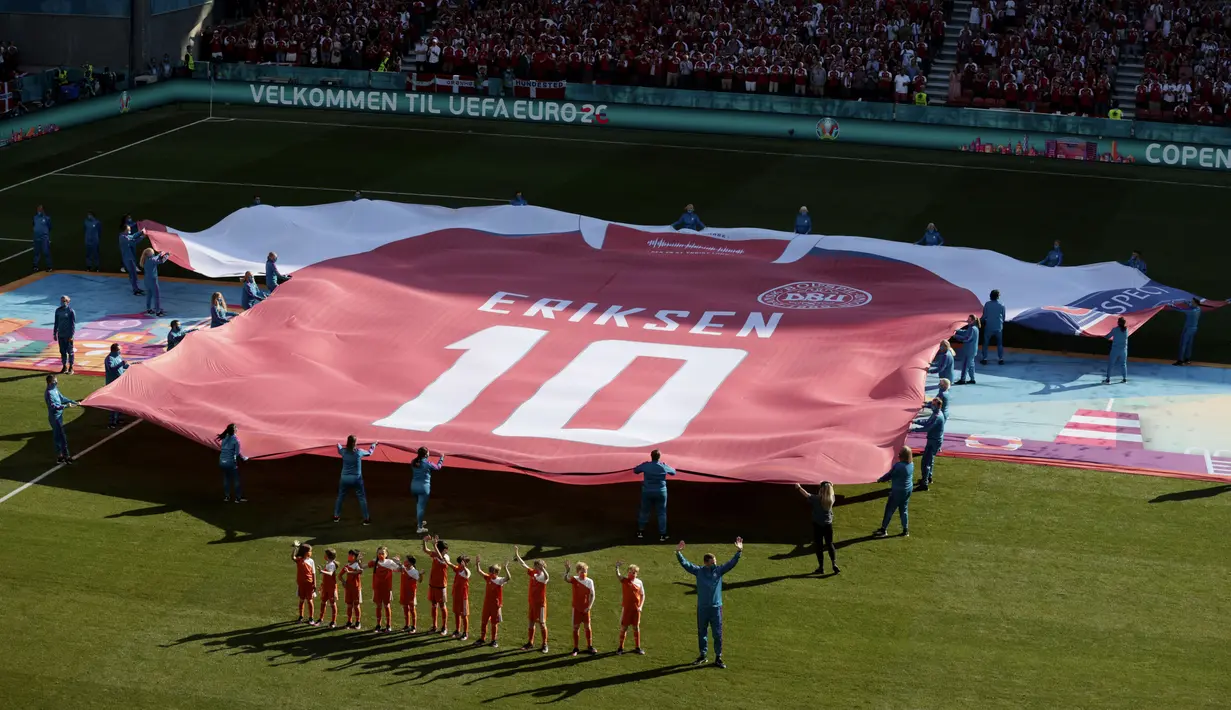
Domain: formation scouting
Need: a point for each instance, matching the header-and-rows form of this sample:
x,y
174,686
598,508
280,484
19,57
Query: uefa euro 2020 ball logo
x,y
827,129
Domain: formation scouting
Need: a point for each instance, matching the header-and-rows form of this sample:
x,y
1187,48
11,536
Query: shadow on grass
x,y
1196,494
567,691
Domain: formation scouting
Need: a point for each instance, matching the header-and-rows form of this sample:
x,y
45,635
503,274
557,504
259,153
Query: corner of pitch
x,y
713,323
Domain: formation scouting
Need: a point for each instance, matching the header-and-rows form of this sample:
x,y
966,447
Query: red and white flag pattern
x,y
534,89
1093,427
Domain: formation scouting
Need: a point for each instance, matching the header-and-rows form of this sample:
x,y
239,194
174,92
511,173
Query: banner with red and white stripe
x,y
444,83
1093,427
535,89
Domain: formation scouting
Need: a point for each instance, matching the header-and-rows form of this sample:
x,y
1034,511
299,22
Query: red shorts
x,y
538,614
461,607
354,596
436,595
329,593
307,590
493,615
407,600
581,616
382,596
630,617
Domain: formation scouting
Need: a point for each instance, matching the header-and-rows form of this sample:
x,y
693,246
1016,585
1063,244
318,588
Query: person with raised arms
x,y
901,482
537,599
934,426
150,261
128,254
689,220
653,493
352,476
1192,314
421,470
709,598
229,456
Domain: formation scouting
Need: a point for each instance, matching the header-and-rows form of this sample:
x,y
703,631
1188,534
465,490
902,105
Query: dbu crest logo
x,y
813,295
827,129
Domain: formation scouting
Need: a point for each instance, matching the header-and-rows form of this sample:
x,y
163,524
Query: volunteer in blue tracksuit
x,y
931,237
1119,351
1054,257
942,393
251,294
56,404
943,364
42,237
1136,262
935,428
114,365
150,261
709,598
689,220
63,330
901,483
803,221
352,477
421,470
256,201
993,327
518,200
175,335
357,196
653,493
218,313
1192,314
128,254
229,456
969,338
93,233
272,276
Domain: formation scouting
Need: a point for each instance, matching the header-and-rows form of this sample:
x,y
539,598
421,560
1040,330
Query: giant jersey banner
x,y
567,347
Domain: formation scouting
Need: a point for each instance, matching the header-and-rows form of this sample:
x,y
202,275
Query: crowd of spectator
x,y
1059,56
1187,63
10,61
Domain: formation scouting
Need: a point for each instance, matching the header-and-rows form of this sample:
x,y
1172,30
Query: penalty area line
x,y
59,466
103,155
14,256
266,186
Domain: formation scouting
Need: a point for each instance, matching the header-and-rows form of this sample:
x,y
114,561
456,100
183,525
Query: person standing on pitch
x,y
272,276
1054,257
150,261
943,364
822,524
114,365
901,483
931,237
1192,314
993,327
942,393
689,220
42,237
229,456
518,200
128,254
352,475
56,404
93,233
421,470
709,598
1119,351
251,295
63,330
969,338
1135,261
935,428
653,493
803,222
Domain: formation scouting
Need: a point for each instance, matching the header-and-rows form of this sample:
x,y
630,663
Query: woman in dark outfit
x,y
822,524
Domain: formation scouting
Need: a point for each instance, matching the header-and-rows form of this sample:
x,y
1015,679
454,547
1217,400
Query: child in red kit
x,y
493,600
382,586
329,588
305,579
461,598
408,593
352,585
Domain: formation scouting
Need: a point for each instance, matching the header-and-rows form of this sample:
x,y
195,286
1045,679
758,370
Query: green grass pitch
x,y
128,583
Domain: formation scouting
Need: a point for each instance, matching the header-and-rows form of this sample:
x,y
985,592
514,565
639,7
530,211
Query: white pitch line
x,y
59,466
282,187
26,251
1109,403
103,155
10,239
740,151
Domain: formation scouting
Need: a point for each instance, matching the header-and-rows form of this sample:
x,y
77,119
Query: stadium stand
x,y
1162,62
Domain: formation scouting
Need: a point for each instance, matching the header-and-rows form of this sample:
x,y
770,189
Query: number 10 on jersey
x,y
491,352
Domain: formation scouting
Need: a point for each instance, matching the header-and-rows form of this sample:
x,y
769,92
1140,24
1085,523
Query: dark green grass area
x,y
129,583
1012,205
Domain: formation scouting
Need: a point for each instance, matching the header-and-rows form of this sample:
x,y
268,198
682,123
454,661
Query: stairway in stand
x,y
938,77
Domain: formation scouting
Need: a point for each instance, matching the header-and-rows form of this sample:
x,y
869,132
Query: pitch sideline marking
x,y
1109,403
103,155
738,151
280,187
26,251
59,466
